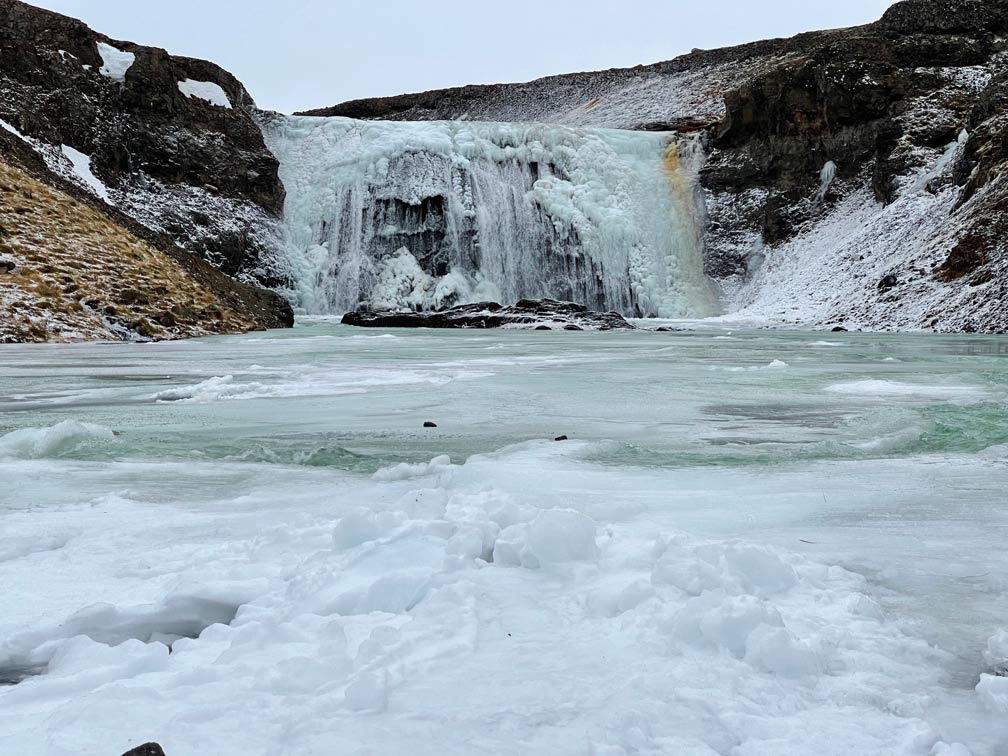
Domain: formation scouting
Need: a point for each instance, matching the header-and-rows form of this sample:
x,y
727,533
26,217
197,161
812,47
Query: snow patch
x,y
207,91
115,62
7,127
82,169
892,389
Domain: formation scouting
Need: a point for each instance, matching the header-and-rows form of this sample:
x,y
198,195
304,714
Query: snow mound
x,y
59,440
115,63
207,91
993,691
555,536
407,471
82,169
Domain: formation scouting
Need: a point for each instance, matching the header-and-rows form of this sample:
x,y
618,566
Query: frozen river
x,y
753,544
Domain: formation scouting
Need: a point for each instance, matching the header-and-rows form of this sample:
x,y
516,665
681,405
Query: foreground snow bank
x,y
439,608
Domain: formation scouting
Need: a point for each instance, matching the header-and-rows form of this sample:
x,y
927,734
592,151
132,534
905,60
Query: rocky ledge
x,y
529,315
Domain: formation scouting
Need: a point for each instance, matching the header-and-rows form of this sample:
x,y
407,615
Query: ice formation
x,y
826,178
428,215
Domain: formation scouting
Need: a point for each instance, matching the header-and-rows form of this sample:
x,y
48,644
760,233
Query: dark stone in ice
x,y
147,749
839,329
527,314
429,424
561,438
887,283
18,673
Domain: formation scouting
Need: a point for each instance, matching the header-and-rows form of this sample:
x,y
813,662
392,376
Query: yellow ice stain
x,y
672,162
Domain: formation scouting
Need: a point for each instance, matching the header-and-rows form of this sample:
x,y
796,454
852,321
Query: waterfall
x,y
428,215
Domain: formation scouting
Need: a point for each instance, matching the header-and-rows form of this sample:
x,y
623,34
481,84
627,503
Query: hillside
x,y
70,273
155,161
852,177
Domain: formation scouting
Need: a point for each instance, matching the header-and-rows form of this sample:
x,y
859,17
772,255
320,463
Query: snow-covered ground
x,y
754,544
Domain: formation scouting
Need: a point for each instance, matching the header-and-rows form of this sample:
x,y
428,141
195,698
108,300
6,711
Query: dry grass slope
x,y
75,275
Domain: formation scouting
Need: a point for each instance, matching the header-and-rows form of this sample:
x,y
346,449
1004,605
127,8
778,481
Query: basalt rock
x,y
526,315
148,749
183,166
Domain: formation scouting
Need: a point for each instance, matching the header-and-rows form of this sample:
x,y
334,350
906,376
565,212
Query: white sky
x,y
301,54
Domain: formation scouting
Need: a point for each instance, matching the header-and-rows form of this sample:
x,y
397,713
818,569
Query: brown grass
x,y
67,252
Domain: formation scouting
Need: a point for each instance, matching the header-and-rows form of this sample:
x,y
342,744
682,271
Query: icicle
x,y
826,177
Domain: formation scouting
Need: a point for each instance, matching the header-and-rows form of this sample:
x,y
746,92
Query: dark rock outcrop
x,y
181,165
148,749
543,314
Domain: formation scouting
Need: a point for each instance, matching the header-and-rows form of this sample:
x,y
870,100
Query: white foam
x,y
37,443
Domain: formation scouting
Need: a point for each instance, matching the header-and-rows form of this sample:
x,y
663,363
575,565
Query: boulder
x,y
528,314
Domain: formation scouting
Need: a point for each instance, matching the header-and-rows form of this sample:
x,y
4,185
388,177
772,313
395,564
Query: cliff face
x,y
853,177
124,173
172,139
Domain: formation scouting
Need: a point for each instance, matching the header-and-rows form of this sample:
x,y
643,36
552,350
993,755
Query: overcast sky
x,y
300,54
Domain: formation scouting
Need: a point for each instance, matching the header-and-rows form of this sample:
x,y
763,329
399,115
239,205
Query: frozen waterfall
x,y
428,215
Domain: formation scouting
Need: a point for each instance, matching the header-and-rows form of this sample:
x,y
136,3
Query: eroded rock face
x,y
927,16
544,315
195,169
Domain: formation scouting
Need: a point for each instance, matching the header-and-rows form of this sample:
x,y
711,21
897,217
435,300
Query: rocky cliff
x,y
853,177
165,147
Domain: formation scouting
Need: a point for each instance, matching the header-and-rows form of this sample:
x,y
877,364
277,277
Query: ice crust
x,y
605,218
64,438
